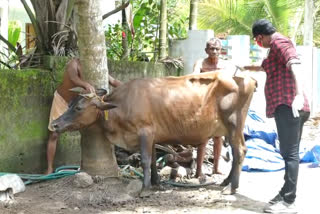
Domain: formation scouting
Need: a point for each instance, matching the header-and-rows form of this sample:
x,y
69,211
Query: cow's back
x,y
175,109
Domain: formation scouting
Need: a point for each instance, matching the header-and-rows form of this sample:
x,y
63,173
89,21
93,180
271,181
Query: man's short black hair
x,y
262,27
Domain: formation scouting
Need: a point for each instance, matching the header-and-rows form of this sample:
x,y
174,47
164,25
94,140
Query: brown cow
x,y
188,109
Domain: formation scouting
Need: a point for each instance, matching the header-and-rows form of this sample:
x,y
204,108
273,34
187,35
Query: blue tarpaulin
x,y
263,150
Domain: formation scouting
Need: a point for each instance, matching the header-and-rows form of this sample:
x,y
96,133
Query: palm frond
x,y
237,17
223,16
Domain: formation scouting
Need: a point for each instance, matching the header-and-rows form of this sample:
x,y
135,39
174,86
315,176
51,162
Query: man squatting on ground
x,y
62,96
286,102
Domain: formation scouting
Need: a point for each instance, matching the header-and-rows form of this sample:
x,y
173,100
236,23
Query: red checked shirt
x,y
280,87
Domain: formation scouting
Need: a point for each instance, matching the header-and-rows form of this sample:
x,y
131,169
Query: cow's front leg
x,y
146,144
146,155
155,180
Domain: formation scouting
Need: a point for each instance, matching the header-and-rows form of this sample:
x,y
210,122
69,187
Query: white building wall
x,y
239,49
310,64
4,8
192,48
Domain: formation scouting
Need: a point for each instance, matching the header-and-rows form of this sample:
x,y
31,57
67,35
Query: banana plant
x,y
14,32
11,54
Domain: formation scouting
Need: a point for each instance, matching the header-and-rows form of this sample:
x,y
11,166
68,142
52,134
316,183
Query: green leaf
x,y
69,9
10,46
14,30
34,23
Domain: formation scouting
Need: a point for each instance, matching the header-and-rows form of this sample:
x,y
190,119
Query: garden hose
x,y
60,172
176,184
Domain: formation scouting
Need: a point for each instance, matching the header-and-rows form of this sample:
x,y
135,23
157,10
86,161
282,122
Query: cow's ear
x,y
103,105
78,90
100,92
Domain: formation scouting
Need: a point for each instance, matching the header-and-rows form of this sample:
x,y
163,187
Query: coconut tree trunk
x,y
163,30
97,155
193,15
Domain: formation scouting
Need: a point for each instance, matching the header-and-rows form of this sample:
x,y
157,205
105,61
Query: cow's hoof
x,y
158,188
202,179
199,175
155,181
228,190
225,183
146,193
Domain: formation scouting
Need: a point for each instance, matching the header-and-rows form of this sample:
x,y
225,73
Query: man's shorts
x,y
59,106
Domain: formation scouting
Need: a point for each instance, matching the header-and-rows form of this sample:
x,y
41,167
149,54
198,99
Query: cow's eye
x,y
78,108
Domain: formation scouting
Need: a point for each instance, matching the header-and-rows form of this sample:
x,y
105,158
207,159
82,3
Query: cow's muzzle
x,y
55,126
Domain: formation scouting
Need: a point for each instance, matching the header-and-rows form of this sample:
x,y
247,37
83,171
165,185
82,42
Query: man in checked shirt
x,y
286,102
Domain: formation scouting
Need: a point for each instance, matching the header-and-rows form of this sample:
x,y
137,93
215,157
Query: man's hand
x,y
241,68
89,87
297,105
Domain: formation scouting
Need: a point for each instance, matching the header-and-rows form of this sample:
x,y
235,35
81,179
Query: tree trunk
x,y
163,30
193,15
97,154
125,49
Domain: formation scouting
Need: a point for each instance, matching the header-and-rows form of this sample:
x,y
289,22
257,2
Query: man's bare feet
x,y
49,171
217,172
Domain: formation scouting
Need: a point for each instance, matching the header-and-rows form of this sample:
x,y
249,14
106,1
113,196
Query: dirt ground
x,y
121,195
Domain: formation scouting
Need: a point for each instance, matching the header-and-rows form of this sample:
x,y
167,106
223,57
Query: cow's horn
x,y
78,90
89,95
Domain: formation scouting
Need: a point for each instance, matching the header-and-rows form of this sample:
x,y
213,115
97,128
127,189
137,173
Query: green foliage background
x,y
146,17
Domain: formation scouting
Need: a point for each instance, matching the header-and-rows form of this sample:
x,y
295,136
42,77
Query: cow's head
x,y
83,111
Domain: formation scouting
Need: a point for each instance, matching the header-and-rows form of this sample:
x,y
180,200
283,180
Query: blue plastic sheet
x,y
261,156
256,127
309,153
262,144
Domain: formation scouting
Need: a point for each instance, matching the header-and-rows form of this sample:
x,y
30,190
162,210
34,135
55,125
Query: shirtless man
x,y
211,63
62,96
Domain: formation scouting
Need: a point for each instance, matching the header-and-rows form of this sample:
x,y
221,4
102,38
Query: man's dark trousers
x,y
289,132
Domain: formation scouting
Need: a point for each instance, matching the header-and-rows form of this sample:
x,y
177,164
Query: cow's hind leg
x,y
238,152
